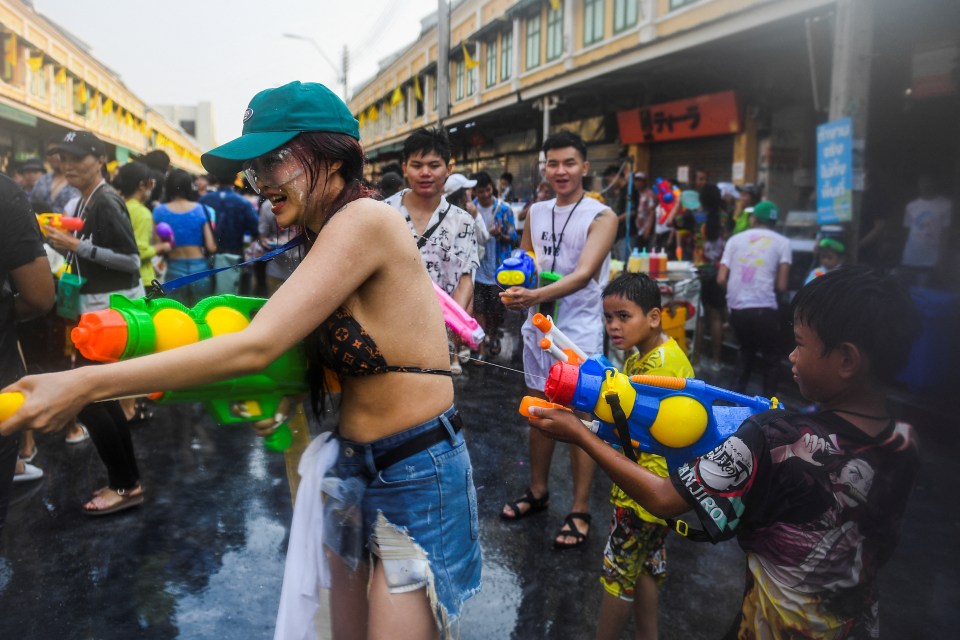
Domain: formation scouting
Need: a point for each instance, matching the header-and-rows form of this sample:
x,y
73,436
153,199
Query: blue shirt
x,y
236,217
497,249
187,227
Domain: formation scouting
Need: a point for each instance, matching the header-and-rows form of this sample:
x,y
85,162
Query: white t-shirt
x,y
926,220
451,249
754,257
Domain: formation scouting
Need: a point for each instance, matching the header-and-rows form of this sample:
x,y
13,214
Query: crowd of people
x,y
815,498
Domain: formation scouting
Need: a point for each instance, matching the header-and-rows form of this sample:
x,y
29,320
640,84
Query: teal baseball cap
x,y
276,116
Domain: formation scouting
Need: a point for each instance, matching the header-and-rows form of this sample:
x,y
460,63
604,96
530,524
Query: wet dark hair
x,y
483,179
458,198
390,183
563,139
179,184
638,288
157,194
315,150
129,177
426,140
612,170
157,159
506,175
859,305
711,201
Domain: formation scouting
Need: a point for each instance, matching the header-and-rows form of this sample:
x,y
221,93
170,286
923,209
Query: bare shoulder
x,y
605,215
368,219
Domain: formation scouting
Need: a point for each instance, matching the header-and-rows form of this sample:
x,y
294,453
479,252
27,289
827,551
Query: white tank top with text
x,y
559,235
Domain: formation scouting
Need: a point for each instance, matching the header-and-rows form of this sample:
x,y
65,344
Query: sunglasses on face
x,y
271,170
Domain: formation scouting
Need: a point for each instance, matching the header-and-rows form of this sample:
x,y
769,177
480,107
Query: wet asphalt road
x,y
203,557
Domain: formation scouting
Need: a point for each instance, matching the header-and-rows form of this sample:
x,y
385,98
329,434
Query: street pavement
x,y
203,557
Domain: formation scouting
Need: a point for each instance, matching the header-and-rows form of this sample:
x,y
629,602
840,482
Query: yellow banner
x,y
469,62
416,88
35,62
10,50
397,97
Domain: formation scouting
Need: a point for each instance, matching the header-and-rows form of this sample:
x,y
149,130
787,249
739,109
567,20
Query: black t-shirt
x,y
816,504
20,244
107,224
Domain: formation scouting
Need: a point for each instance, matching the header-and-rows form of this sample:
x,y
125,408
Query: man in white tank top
x,y
570,236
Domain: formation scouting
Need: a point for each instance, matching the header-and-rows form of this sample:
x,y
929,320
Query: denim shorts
x,y
417,516
191,293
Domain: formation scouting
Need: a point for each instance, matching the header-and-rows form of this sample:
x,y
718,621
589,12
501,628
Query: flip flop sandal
x,y
29,458
126,502
107,488
536,505
83,437
569,530
141,413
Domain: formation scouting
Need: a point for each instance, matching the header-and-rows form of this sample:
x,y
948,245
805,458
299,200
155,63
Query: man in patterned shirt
x,y
444,233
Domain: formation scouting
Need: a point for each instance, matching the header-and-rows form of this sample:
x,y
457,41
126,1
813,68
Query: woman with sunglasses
x,y
400,490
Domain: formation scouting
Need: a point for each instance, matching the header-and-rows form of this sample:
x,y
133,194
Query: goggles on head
x,y
271,170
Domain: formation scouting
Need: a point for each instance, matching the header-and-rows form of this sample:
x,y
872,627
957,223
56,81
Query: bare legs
x,y
357,615
614,612
582,467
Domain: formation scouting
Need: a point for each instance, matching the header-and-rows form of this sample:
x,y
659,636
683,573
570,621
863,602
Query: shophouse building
x,y
50,82
734,87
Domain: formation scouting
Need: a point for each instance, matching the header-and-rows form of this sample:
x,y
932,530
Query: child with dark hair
x,y
635,558
831,253
815,500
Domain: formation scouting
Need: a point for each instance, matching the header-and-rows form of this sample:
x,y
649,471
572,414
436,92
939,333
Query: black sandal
x,y
569,530
536,505
141,412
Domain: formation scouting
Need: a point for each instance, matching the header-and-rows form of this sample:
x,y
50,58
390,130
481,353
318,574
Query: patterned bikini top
x,y
353,353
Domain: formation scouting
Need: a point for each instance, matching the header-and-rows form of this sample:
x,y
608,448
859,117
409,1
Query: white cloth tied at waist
x,y
306,571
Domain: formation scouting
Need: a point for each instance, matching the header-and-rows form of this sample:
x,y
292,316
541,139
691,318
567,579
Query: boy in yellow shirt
x,y
634,561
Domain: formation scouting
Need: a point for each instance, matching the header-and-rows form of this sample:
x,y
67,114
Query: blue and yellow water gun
x,y
677,418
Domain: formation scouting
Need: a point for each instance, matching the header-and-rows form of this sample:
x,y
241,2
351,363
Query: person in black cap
x,y
104,252
365,307
31,170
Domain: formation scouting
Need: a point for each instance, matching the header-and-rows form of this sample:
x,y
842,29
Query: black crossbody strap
x,y
429,232
620,422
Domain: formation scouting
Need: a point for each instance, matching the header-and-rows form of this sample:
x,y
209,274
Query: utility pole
x,y
546,104
345,65
850,90
443,62
341,70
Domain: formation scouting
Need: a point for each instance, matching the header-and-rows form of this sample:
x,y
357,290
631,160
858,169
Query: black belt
x,y
417,443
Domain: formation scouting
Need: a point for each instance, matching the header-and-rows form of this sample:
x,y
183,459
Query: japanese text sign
x,y
708,115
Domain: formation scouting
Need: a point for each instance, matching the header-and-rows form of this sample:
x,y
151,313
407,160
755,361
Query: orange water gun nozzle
x,y
101,335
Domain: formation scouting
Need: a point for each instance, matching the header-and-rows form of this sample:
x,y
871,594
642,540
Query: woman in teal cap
x,y
402,475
